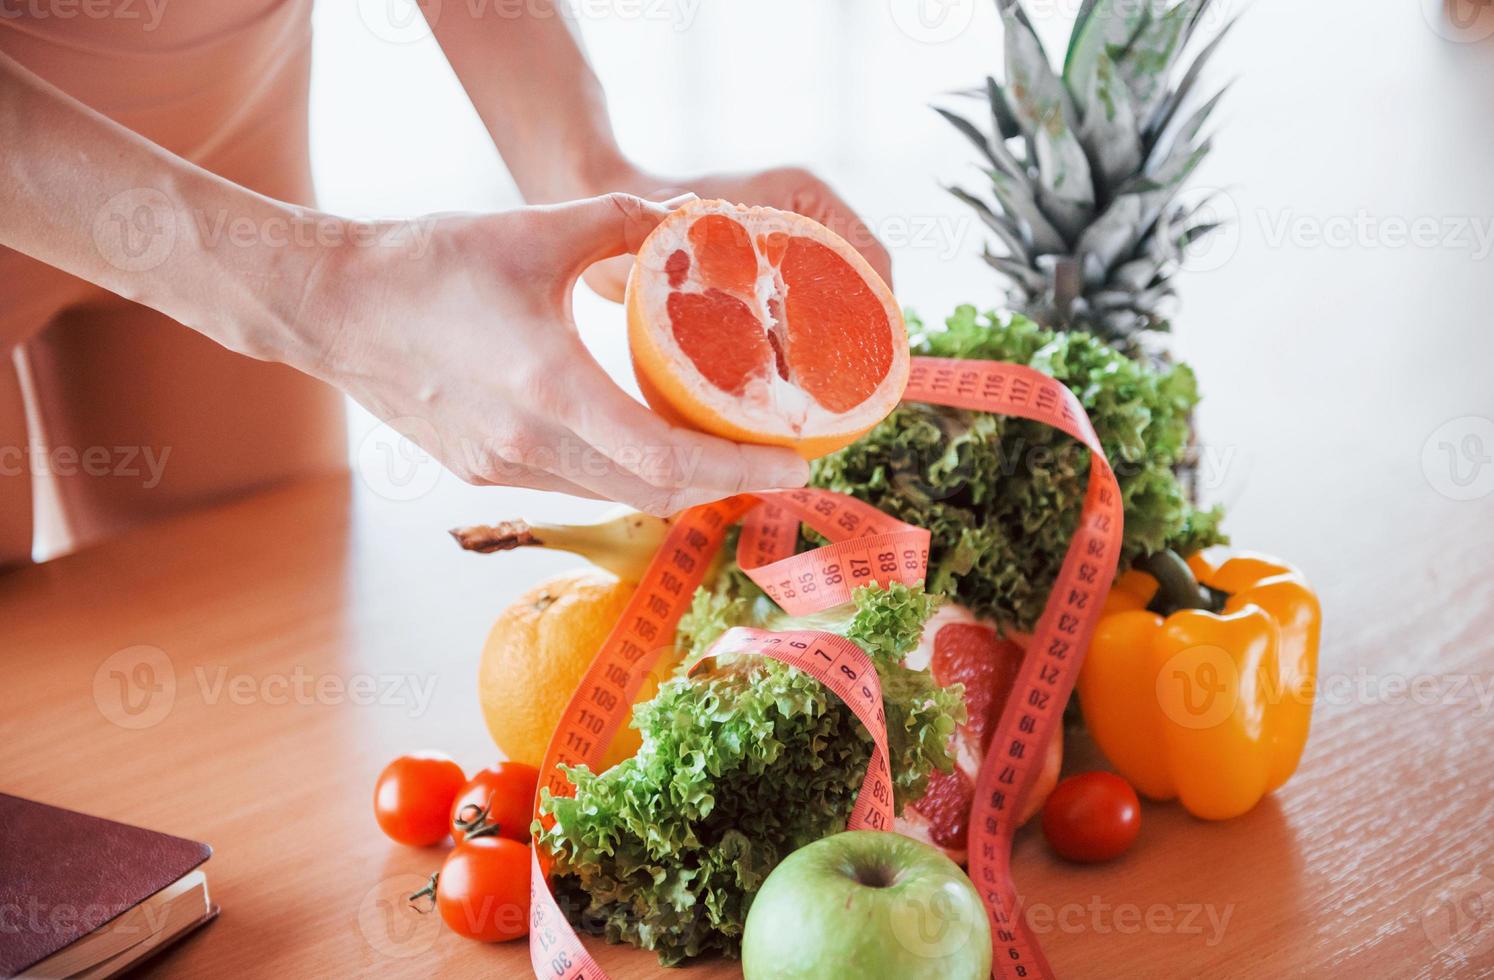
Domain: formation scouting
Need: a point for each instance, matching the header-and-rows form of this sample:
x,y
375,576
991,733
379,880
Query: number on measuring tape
x,y
867,546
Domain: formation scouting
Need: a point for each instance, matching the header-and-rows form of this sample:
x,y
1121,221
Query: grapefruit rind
x,y
766,408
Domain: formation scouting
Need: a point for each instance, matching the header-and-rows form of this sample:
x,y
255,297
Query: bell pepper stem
x,y
1177,587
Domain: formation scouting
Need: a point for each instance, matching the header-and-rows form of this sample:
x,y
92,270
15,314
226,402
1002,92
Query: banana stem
x,y
623,545
503,536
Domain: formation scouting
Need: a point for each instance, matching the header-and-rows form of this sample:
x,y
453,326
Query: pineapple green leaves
x,y
1086,164
1042,107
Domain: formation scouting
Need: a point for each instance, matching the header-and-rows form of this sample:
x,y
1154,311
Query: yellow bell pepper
x,y
1203,693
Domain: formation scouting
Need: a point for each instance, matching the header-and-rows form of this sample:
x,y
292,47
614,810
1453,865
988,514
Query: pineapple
x,y
1086,166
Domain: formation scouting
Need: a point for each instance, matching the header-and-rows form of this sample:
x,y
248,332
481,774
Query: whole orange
x,y
536,654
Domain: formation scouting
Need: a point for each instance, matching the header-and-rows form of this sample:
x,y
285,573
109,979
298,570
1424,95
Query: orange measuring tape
x,y
867,547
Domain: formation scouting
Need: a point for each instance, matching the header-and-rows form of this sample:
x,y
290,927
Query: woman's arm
x,y
523,68
94,199
525,72
454,329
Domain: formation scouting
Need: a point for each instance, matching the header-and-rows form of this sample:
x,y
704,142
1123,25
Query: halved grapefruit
x,y
957,647
763,326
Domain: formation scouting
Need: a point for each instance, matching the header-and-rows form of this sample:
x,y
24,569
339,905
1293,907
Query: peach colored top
x,y
221,83
182,74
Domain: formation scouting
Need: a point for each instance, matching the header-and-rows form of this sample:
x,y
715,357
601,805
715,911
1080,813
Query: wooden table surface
x,y
267,626
212,676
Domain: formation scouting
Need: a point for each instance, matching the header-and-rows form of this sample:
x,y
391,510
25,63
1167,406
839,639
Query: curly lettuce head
x,y
742,762
1001,496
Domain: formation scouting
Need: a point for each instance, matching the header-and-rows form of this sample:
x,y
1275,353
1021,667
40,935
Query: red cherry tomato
x,y
506,792
412,799
1092,817
483,891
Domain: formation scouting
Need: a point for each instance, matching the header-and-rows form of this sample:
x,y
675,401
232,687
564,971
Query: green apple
x,y
867,904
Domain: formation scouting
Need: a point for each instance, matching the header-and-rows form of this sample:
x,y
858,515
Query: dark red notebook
x,y
90,897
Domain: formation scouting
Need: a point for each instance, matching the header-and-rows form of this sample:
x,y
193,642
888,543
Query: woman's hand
x,y
456,330
542,104
461,338
785,188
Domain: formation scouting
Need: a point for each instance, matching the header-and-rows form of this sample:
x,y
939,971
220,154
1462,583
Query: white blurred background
x,y
1356,149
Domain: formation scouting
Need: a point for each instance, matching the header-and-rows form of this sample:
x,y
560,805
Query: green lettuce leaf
x,y
741,763
1001,496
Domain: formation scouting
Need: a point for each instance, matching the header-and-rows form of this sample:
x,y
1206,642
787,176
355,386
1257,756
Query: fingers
x,y
666,456
516,459
597,228
545,455
670,457
604,478
530,478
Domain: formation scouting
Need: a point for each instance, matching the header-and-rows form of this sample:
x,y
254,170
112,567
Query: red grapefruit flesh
x,y
763,326
957,648
722,337
724,251
973,655
946,807
677,267
828,306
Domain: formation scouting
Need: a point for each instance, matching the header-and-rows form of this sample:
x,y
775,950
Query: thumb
x,y
597,228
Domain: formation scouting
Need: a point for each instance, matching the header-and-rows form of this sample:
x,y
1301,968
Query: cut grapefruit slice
x,y
957,647
763,326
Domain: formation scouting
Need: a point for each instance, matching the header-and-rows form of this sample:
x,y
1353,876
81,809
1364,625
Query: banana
x,y
623,544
